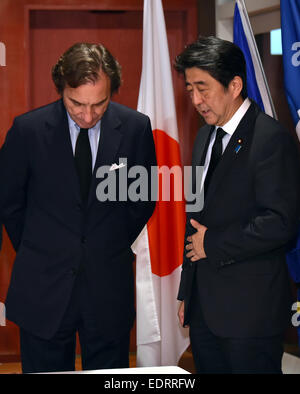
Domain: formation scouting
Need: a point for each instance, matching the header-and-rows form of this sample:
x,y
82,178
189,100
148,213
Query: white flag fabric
x,y
159,249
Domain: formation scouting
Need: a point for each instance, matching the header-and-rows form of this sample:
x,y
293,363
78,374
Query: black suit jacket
x,y
251,212
55,235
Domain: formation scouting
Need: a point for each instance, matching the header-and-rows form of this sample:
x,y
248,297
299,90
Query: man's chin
x,y
208,120
85,125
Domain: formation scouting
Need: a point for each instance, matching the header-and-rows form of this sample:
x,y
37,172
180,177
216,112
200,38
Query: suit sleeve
x,y
189,230
14,176
139,212
183,285
274,221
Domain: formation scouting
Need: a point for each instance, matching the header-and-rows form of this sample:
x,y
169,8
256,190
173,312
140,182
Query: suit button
x,y
83,240
73,271
229,262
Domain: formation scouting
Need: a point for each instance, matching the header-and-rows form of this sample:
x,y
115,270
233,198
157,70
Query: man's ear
x,y
236,86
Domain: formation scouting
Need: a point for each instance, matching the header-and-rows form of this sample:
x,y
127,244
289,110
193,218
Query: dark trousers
x,y
58,353
216,355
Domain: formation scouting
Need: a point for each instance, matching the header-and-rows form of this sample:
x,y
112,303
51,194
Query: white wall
x,y
264,16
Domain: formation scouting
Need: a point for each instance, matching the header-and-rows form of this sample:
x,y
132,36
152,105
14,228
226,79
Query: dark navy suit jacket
x,y
54,234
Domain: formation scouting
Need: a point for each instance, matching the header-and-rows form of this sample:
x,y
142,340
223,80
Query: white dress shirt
x,y
229,128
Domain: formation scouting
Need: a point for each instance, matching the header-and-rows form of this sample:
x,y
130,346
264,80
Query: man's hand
x,y
196,242
181,313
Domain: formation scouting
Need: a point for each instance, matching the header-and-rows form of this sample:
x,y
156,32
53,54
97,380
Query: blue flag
x,y
290,29
290,22
257,86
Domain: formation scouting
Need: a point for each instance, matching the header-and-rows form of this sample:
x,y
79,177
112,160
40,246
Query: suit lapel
x,y
110,139
59,141
200,151
230,156
202,146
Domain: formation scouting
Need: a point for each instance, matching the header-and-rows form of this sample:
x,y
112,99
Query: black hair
x,y
222,59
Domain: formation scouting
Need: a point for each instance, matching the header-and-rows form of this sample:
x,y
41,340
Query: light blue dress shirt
x,y
94,136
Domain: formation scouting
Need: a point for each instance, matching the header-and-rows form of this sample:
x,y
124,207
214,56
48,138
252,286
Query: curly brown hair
x,y
82,63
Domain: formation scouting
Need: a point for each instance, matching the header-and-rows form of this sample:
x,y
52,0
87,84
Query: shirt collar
x,y
73,124
233,123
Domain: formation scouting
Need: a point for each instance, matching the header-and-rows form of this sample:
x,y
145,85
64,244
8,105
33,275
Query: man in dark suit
x,y
73,268
234,286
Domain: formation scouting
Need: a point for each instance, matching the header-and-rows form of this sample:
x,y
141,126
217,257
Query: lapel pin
x,y
238,147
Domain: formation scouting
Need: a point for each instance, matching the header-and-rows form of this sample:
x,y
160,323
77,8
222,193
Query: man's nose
x,y
197,98
88,114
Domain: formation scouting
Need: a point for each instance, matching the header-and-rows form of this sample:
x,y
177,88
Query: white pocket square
x,y
116,166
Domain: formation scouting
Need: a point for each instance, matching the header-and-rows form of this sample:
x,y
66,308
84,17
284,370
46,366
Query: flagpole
x,y
244,9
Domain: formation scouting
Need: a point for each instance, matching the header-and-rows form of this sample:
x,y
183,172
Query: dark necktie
x,y
216,154
83,162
